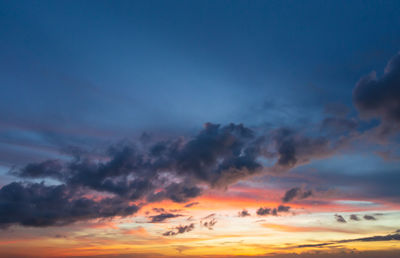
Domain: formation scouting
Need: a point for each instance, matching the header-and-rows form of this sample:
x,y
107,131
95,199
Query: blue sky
x,y
151,65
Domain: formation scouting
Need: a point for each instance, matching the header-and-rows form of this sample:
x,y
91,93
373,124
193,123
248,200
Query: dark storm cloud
x,y
177,193
49,168
295,149
389,237
243,213
220,155
179,230
163,217
39,205
380,97
339,218
296,193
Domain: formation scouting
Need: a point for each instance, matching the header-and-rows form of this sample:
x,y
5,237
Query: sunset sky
x,y
199,129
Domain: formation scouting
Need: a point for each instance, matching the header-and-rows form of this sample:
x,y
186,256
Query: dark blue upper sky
x,y
73,71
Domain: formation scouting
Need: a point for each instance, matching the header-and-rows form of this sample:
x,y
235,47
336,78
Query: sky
x,y
199,129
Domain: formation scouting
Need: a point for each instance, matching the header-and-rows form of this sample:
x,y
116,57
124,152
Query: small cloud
x,y
275,211
162,217
263,211
243,213
354,217
179,230
191,204
283,208
296,193
209,216
159,210
339,218
369,217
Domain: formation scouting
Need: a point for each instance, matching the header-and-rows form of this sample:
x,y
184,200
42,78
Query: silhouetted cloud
x,y
191,204
296,193
354,217
159,210
339,218
179,230
162,217
369,217
48,168
39,205
339,125
389,237
243,213
294,149
283,208
380,97
179,169
210,223
263,211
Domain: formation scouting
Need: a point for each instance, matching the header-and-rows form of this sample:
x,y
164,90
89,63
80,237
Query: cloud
x,y
283,208
294,149
263,211
339,218
296,193
369,217
380,97
162,217
179,230
209,223
389,237
160,210
191,204
48,168
178,169
243,213
354,217
38,205
339,125
275,211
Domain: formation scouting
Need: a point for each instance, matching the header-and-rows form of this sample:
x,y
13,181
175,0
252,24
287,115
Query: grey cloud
x,y
209,223
243,213
38,205
191,204
179,230
49,168
390,237
283,208
179,169
272,211
263,211
339,218
380,97
160,210
162,217
369,217
296,193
